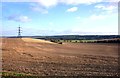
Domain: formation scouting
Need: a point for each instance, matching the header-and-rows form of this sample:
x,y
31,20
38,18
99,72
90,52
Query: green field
x,y
77,41
13,74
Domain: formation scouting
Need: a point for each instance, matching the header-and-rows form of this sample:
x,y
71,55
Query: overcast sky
x,y
60,17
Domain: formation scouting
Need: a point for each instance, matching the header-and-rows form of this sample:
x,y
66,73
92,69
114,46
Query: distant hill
x,y
78,37
73,37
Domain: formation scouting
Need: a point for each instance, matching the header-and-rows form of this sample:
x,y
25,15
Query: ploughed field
x,y
44,58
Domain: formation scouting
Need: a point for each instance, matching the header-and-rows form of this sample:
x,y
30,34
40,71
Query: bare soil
x,y
67,59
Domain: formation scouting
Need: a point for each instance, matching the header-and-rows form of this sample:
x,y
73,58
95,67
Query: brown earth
x,y
67,59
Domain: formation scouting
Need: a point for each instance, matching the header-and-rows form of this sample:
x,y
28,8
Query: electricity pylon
x,y
19,32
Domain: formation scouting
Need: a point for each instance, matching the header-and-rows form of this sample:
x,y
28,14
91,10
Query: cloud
x,y
97,17
77,2
51,3
19,18
98,23
38,8
104,7
78,17
51,23
107,8
73,9
47,3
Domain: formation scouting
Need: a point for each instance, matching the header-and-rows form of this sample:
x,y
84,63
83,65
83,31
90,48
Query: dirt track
x,y
68,59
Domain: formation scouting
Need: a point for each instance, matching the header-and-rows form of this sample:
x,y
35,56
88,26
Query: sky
x,y
59,17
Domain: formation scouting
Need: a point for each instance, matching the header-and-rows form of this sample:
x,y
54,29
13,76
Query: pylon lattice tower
x,y
19,32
